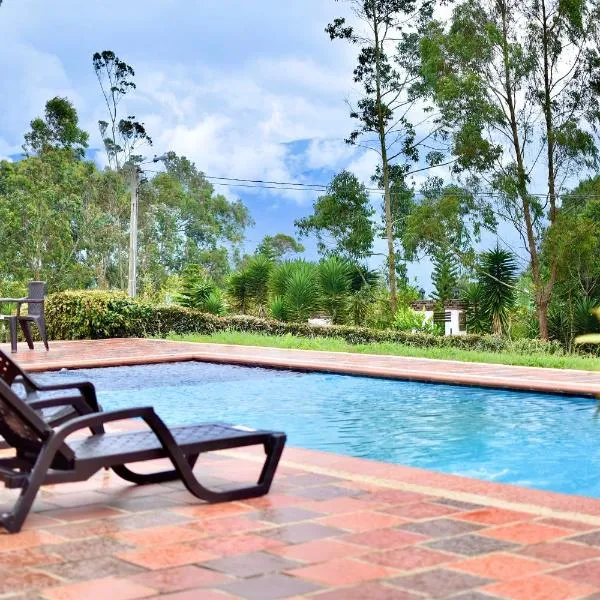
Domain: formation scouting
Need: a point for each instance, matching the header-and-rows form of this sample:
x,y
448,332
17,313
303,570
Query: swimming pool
x,y
537,440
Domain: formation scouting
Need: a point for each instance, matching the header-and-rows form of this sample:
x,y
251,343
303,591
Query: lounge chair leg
x,y
13,335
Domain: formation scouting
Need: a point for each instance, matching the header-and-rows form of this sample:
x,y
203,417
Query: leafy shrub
x,y
407,319
196,288
215,303
96,315
301,296
335,279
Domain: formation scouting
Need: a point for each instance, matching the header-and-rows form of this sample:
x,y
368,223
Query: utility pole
x,y
133,231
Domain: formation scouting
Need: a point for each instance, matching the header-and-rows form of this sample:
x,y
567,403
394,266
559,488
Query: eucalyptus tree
x,y
386,34
121,136
516,82
342,219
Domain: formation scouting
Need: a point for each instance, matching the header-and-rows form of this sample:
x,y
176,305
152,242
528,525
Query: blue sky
x,y
245,89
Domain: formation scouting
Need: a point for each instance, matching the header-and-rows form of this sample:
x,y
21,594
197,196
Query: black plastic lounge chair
x,y
35,314
12,374
43,455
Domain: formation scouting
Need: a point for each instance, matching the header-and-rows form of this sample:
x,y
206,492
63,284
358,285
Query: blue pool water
x,y
537,440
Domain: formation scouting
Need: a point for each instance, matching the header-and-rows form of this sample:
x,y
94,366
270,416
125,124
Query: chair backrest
x,y
36,291
21,426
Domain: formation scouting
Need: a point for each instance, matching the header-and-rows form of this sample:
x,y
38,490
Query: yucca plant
x,y
335,280
477,318
215,304
196,288
301,296
277,309
358,304
239,291
280,275
497,278
257,273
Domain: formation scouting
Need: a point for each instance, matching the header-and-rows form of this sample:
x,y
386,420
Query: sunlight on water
x,y
537,440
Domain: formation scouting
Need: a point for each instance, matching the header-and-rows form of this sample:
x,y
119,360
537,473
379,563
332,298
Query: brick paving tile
x,y
591,539
252,564
290,514
158,536
302,532
458,503
440,528
26,539
269,587
420,510
27,557
90,569
384,538
575,525
501,566
495,516
326,492
20,580
471,545
367,591
307,479
526,533
409,558
179,578
99,589
561,552
342,571
210,511
397,497
439,583
362,521
198,594
539,587
273,501
142,504
474,596
90,548
174,555
83,513
337,506
227,526
588,572
235,544
318,551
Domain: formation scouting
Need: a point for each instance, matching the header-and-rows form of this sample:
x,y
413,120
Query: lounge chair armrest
x,y
87,389
100,418
79,403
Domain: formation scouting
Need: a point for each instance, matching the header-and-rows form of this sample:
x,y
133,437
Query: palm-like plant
x,y
335,280
196,288
239,291
257,272
477,317
301,296
497,278
277,309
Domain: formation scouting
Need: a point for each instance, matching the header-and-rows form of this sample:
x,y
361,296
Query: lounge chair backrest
x,y
37,291
8,369
21,426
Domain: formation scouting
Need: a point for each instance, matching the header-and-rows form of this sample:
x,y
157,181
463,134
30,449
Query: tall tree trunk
x,y
389,228
541,303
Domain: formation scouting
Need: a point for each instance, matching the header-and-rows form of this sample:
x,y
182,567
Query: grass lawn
x,y
338,345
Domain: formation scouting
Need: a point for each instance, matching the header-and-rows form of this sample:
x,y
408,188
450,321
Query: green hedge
x,y
98,315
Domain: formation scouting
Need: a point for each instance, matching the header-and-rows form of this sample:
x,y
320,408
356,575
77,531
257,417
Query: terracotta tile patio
x,y
333,527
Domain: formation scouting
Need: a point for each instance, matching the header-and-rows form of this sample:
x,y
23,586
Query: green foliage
x,y
335,280
497,278
94,315
215,303
444,277
341,219
278,246
196,287
58,130
477,318
407,319
301,295
277,309
359,304
249,287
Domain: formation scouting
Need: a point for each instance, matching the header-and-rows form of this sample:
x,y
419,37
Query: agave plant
x,y
335,280
497,278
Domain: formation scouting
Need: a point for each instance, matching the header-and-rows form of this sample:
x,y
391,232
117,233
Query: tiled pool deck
x,y
333,527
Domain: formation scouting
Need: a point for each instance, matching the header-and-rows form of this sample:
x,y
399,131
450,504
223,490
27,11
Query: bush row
x,y
97,315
